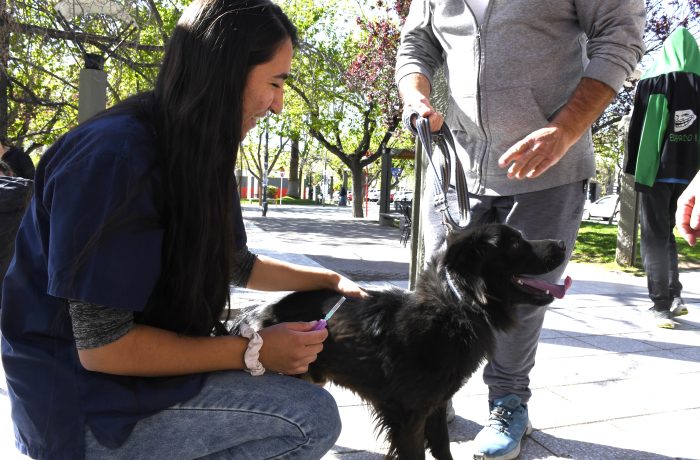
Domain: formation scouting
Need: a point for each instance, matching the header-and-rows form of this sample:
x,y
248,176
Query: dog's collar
x,y
452,285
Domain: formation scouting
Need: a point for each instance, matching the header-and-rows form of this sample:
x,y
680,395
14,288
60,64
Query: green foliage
x,y
609,152
46,53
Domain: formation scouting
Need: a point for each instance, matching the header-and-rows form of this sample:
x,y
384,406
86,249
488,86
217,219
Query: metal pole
x,y
417,250
264,172
385,187
324,184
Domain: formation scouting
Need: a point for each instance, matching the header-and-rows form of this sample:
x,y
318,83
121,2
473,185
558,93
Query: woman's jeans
x,y
659,251
236,416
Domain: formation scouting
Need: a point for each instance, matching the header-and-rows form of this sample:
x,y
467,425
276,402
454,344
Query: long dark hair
x,y
198,101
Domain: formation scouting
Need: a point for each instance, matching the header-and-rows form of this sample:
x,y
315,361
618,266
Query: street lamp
x,y
281,173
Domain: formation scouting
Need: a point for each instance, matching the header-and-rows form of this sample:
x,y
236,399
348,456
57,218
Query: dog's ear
x,y
467,251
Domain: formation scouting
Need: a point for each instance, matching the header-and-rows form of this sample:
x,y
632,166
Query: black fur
x,y
407,353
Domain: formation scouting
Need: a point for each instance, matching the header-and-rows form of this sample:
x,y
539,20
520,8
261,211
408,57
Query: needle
x,y
322,323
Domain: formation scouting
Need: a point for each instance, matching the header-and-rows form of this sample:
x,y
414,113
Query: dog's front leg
x,y
406,439
436,434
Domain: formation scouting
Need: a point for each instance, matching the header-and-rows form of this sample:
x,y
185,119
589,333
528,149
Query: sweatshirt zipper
x,y
480,168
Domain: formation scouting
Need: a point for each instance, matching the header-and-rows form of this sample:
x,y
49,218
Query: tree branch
x,y
77,37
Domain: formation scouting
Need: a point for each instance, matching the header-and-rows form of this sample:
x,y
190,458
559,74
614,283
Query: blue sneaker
x,y
500,438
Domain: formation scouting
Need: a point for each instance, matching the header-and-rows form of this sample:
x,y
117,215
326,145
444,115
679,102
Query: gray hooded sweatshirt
x,y
508,76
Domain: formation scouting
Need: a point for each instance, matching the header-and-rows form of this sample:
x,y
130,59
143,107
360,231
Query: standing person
x,y
688,212
17,159
15,193
663,157
112,342
343,194
526,80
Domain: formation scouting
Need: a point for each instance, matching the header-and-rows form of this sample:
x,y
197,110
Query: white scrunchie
x,y
251,357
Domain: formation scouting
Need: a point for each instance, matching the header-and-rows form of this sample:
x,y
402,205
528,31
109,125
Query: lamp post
x,y
93,80
264,171
92,87
281,172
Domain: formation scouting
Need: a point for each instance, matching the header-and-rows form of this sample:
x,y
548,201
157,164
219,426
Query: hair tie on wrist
x,y
251,357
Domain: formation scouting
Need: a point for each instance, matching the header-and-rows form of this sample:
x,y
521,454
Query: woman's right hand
x,y
289,348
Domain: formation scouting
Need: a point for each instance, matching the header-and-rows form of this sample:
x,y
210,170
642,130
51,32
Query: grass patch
x,y
597,242
285,200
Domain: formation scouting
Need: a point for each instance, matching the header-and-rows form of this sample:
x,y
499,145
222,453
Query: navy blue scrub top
x,y
81,182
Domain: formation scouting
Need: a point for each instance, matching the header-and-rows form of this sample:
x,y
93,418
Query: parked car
x,y
603,208
402,196
373,194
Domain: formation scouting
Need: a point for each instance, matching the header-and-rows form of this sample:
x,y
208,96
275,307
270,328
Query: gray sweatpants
x,y
548,214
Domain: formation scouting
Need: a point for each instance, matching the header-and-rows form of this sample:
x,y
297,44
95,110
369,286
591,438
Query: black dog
x,y
407,353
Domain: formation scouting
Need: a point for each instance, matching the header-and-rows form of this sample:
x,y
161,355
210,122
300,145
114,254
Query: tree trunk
x,y
358,189
4,76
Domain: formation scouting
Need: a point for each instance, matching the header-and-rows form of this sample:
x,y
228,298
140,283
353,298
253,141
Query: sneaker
x,y
678,307
500,438
450,412
662,318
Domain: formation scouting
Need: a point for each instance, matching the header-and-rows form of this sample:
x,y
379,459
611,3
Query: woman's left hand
x,y
349,288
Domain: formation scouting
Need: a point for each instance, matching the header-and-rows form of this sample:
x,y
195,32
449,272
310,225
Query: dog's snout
x,y
561,245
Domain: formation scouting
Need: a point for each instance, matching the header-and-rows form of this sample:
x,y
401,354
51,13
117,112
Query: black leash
x,y
446,146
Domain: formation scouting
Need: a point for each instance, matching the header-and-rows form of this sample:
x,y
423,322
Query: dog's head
x,y
495,264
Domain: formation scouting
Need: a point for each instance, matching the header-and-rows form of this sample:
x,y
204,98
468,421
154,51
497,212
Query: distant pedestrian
x,y
343,196
114,342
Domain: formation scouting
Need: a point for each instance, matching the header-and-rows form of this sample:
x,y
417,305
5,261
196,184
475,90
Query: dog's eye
x,y
514,244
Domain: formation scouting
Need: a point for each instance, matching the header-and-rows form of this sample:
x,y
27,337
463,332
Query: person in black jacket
x,y
15,193
17,159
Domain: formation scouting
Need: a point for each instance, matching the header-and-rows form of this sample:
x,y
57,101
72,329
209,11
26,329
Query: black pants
x,y
659,252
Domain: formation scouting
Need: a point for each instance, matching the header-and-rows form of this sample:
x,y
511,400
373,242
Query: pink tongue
x,y
557,290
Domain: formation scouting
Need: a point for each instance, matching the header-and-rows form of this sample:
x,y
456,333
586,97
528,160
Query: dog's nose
x,y
561,245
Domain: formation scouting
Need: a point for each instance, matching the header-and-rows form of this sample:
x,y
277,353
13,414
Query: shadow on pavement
x,y
569,448
364,270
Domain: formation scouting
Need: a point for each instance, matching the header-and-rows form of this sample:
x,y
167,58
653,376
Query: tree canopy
x,y
341,97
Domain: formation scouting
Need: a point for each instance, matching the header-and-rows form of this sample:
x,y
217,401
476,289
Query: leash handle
x,y
446,146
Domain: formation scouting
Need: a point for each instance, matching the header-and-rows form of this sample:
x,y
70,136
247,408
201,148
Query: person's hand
x,y
349,288
688,212
413,93
289,348
536,153
422,106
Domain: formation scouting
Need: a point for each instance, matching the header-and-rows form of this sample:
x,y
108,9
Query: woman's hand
x,y
289,348
349,288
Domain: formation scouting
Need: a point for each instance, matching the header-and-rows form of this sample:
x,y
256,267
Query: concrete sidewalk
x,y
608,384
